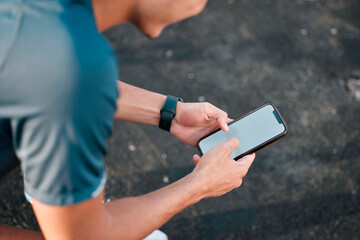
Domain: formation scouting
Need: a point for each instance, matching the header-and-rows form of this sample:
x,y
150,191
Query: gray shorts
x,y
57,98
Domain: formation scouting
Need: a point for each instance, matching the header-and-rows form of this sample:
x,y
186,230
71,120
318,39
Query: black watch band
x,y
168,112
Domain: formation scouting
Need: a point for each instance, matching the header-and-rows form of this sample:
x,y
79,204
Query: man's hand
x,y
195,120
218,172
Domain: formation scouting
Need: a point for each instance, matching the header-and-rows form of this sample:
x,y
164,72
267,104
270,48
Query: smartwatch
x,y
168,112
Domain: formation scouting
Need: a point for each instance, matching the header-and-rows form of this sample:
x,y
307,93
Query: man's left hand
x,y
195,120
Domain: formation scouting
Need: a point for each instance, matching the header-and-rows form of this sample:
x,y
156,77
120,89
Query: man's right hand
x,y
218,172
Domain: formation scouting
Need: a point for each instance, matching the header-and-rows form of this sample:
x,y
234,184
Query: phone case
x,y
257,148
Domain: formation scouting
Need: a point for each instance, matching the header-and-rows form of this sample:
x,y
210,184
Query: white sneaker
x,y
156,235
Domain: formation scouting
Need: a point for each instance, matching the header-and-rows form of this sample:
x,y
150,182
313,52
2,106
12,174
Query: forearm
x,y
138,105
127,218
135,218
14,233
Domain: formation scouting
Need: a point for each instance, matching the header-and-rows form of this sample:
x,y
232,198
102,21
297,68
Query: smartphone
x,y
255,130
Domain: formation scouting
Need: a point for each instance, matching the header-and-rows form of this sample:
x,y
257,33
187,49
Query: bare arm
x,y
192,120
127,218
136,217
14,233
138,105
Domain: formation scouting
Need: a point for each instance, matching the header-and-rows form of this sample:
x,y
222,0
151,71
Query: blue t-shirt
x,y
57,98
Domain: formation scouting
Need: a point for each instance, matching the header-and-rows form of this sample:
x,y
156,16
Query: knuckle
x,y
238,183
244,171
225,115
207,105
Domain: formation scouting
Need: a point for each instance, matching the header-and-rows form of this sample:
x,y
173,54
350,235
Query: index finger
x,y
220,116
230,145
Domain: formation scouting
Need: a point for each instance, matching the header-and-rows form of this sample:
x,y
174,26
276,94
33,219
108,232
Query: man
x,y
58,96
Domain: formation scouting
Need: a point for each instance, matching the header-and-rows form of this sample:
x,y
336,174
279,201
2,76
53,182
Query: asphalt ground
x,y
304,56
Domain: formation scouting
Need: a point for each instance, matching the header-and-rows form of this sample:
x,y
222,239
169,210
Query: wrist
x,y
198,186
179,110
168,112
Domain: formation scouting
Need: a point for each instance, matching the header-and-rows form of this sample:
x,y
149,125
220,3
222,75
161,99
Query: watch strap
x,y
168,112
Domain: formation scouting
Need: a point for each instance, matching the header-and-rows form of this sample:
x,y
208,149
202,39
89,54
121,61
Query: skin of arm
x,y
138,105
136,217
14,233
192,120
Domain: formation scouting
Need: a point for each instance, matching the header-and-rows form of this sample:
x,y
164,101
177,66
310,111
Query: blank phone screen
x,y
252,130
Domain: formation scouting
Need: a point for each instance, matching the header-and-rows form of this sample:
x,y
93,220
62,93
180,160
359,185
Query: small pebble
x,y
169,53
190,75
132,147
166,179
354,87
230,1
169,65
357,95
303,32
164,156
201,99
333,31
